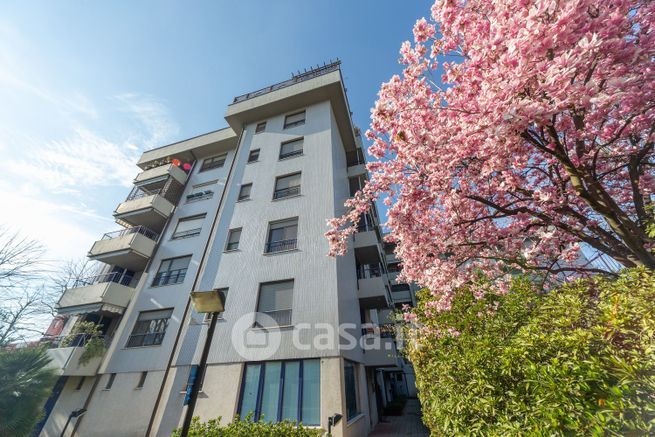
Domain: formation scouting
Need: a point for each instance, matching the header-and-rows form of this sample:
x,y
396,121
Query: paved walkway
x,y
409,424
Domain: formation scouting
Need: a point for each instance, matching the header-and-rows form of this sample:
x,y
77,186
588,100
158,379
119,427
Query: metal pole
x,y
63,431
199,377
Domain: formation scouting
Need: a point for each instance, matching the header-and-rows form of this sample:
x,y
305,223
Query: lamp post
x,y
74,413
212,302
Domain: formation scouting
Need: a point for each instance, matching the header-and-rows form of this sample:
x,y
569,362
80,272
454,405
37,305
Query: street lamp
x,y
332,421
73,414
208,302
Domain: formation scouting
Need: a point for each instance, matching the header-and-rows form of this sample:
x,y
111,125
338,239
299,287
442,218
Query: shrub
x,y
579,360
248,428
90,335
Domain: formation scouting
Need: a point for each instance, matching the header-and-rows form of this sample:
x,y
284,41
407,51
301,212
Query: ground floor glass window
x,y
278,390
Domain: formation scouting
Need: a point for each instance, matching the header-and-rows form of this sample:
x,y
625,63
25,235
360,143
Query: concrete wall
x,y
69,400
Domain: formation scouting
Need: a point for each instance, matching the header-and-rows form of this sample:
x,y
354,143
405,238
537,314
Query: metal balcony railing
x,y
387,330
369,271
135,230
78,340
281,318
295,78
139,192
290,154
123,278
286,192
355,157
279,246
169,277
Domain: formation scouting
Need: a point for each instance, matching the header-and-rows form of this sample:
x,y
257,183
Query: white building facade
x,y
243,210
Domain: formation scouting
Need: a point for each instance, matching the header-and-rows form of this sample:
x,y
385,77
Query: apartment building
x,y
242,210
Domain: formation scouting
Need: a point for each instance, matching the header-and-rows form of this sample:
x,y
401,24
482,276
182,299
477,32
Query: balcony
x,y
150,204
65,361
109,292
162,171
380,351
286,192
281,246
372,287
129,248
356,163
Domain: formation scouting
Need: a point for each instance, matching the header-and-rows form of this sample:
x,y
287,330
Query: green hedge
x,y
579,360
248,428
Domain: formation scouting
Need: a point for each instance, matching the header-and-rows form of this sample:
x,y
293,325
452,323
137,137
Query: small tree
x,y
579,360
518,132
25,383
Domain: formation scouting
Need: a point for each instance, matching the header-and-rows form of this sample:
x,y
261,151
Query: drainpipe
x,y
196,280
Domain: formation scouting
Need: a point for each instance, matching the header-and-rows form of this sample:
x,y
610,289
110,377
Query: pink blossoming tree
x,y
518,131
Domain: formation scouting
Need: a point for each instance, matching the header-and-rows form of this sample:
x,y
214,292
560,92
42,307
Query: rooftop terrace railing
x,y
295,78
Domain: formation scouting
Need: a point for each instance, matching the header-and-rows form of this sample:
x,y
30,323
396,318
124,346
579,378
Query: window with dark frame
x,y
350,375
171,271
253,156
150,328
213,162
142,379
279,390
287,186
291,148
282,235
295,119
189,226
110,381
233,240
244,192
223,290
261,127
275,301
201,191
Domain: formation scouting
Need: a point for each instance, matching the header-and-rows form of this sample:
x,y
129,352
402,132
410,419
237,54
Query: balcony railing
x,y
78,340
279,246
123,278
290,154
169,277
139,192
135,230
281,318
355,157
286,192
369,271
295,78
387,330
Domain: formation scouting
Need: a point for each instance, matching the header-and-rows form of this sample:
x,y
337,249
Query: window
x,y
213,162
150,328
110,381
399,287
233,239
295,119
291,148
287,186
142,380
201,191
350,374
261,127
275,300
80,383
254,155
189,226
172,271
244,193
277,390
394,267
282,236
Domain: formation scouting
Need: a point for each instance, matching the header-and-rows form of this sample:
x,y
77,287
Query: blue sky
x,y
86,87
